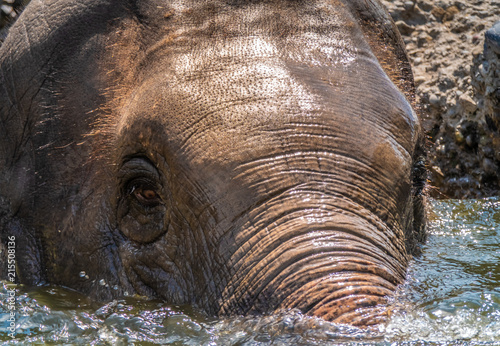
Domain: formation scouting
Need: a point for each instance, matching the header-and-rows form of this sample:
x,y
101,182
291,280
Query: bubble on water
x,y
82,274
102,282
115,287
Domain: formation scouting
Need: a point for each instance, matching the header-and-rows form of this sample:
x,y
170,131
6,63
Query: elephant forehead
x,y
235,95
244,81
242,76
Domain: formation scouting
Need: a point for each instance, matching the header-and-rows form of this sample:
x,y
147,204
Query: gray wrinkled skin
x,y
239,156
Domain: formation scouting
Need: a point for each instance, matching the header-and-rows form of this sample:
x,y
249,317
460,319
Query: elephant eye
x,y
144,192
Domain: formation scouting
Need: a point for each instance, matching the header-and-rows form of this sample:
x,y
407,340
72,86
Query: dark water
x,y
452,297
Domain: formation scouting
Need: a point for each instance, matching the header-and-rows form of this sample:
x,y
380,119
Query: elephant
x,y
240,156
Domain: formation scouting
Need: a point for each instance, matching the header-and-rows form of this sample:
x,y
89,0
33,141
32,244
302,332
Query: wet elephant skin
x,y
240,156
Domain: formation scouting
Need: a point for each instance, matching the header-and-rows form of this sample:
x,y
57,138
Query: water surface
x,y
451,297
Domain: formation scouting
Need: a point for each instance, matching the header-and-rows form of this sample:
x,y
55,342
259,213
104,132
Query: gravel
x,y
457,74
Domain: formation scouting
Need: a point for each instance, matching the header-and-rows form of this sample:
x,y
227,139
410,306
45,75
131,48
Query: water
x,y
451,297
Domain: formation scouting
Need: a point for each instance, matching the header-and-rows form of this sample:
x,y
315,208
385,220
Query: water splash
x,y
452,294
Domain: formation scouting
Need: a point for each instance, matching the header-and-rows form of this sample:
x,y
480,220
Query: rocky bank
x,y
458,85
457,77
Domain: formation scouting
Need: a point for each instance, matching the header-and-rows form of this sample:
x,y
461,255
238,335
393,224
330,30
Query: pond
x,y
451,297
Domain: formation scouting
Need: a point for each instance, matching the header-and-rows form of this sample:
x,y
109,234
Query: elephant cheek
x,y
142,228
393,165
391,157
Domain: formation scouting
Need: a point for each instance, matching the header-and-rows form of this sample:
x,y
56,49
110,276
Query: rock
x,y
467,103
434,100
423,39
492,38
488,152
441,149
426,5
437,170
490,90
449,13
459,137
438,12
419,80
408,5
404,28
470,141
490,168
446,83
483,69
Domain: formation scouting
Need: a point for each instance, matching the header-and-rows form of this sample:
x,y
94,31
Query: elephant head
x,y
239,156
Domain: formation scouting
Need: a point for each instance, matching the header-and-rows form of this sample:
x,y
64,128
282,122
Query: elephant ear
x,y
386,43
27,59
19,84
41,47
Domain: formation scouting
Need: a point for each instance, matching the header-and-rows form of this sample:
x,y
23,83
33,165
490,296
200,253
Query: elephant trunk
x,y
328,257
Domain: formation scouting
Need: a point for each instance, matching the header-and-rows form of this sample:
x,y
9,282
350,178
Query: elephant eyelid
x,y
138,166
